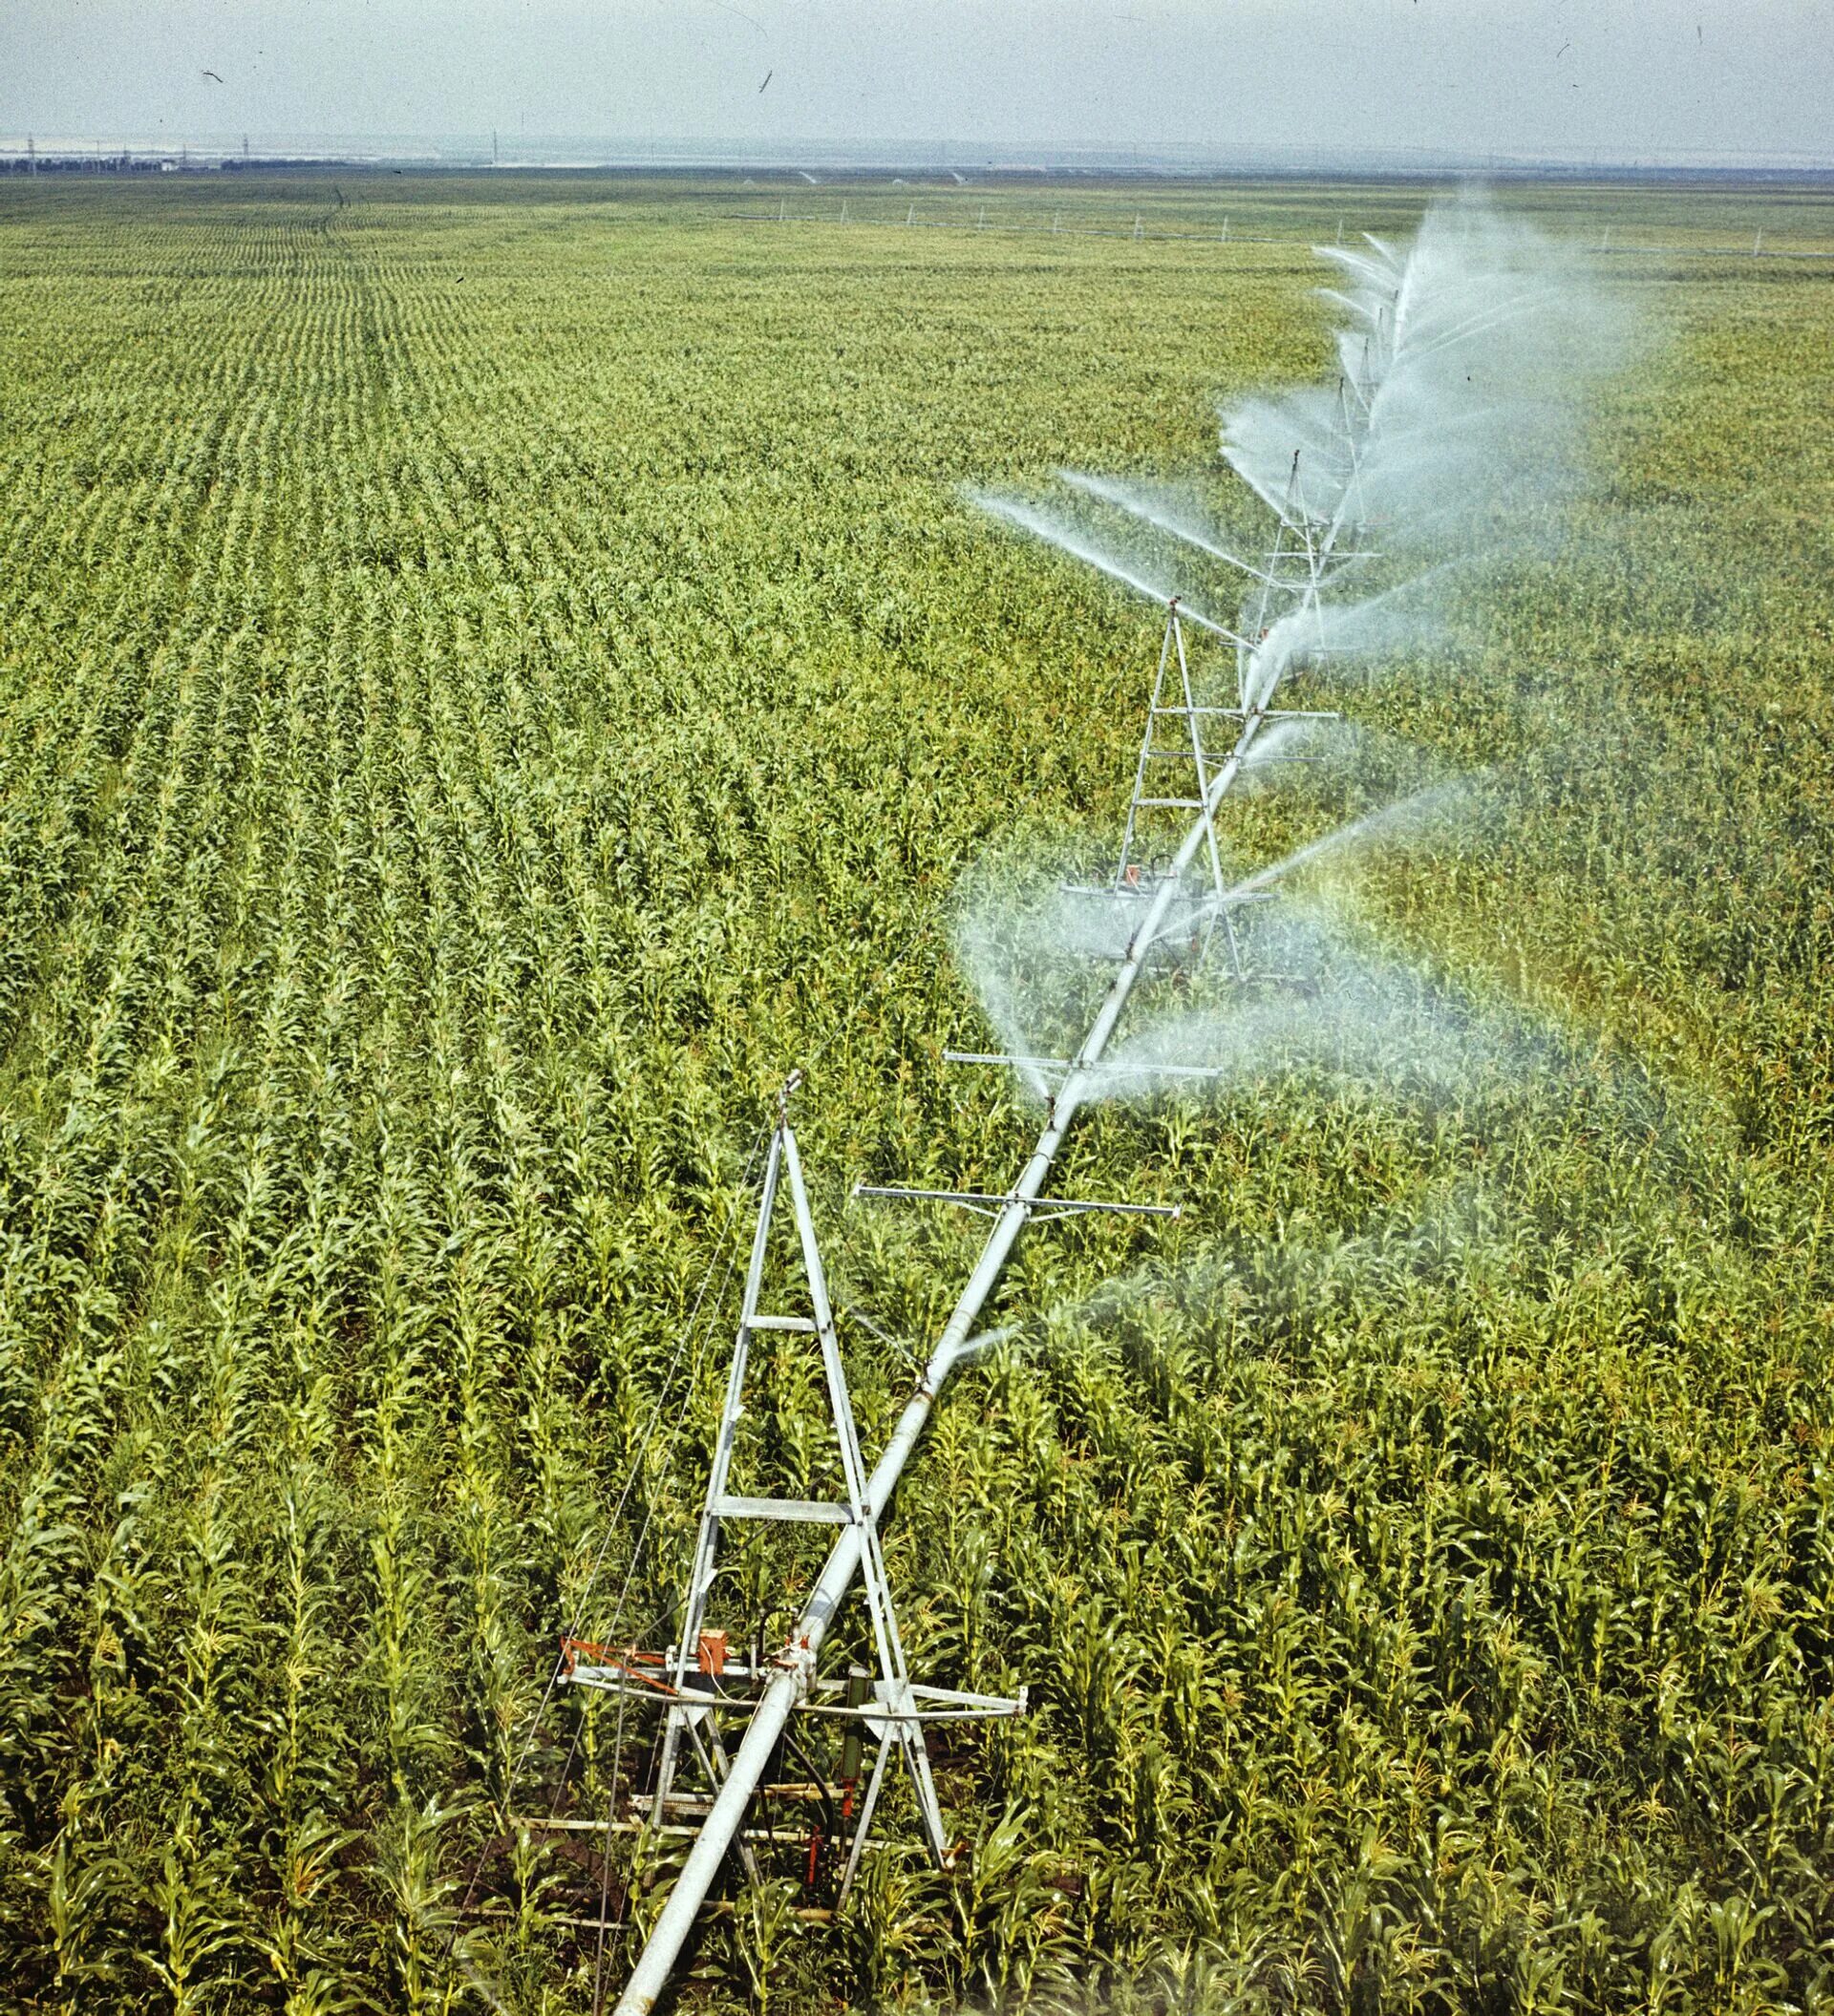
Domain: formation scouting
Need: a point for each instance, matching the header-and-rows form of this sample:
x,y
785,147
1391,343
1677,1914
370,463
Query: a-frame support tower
x,y
783,1174
703,1684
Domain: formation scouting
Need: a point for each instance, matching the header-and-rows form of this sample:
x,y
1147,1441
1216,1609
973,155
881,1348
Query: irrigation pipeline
x,y
1011,227
796,1662
1403,329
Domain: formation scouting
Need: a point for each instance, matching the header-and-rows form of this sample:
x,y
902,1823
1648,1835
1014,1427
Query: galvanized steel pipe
x,y
788,1687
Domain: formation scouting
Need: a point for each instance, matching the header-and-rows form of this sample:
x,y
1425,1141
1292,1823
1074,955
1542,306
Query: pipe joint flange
x,y
798,1656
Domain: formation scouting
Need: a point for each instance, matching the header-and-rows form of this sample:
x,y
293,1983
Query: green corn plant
x,y
80,1899
1008,1920
195,1938
424,1949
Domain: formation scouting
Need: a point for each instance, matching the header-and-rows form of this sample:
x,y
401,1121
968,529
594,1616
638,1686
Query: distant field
x,y
1618,219
496,672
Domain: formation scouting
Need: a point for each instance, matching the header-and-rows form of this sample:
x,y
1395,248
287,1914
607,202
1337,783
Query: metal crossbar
x,y
1065,1064
986,1201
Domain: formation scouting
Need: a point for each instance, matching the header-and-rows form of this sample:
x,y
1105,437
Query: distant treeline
x,y
137,165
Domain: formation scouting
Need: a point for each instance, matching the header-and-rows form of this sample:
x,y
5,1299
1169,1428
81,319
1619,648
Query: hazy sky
x,y
1642,75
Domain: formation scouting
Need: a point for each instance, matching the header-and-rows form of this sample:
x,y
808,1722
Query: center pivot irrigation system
x,y
1175,905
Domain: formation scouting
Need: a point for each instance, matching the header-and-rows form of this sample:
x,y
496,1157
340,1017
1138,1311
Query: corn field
x,y
495,675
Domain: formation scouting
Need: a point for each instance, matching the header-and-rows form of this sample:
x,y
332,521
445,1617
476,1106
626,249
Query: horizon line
x,y
484,148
